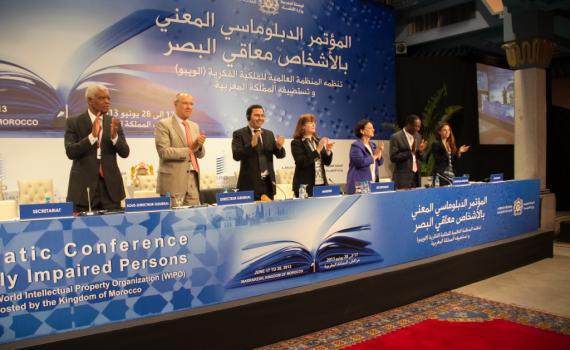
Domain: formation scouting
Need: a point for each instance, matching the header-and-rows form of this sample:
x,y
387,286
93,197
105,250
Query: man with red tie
x,y
93,140
179,144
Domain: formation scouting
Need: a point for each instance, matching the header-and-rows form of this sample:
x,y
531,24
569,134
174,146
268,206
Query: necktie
x,y
261,155
98,121
189,142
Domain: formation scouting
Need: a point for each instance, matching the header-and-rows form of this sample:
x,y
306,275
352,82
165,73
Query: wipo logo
x,y
269,7
518,207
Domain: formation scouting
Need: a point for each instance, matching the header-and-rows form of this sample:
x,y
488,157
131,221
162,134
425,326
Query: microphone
x,y
90,212
443,177
334,183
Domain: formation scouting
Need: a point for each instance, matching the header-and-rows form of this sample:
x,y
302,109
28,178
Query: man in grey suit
x,y
179,144
93,140
407,151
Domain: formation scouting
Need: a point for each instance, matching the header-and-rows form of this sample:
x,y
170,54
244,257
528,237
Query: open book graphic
x,y
30,96
264,261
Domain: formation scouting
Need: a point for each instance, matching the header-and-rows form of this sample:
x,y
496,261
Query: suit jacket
x,y
441,158
305,164
359,165
173,152
401,156
249,174
85,168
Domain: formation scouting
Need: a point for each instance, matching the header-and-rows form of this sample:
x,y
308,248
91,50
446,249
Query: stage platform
x,y
286,314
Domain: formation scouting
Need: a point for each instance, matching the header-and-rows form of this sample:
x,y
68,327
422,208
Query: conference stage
x,y
255,272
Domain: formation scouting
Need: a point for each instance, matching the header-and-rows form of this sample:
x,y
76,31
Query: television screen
x,y
495,95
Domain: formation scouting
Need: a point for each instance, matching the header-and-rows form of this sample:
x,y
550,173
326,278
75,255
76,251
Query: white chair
x,y
8,209
285,176
284,191
147,183
284,183
208,181
34,191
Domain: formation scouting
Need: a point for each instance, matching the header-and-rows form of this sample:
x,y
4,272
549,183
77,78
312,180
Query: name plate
x,y
146,204
496,177
46,211
461,180
326,191
234,197
376,187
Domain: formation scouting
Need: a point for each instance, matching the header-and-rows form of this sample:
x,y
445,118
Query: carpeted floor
x,y
450,307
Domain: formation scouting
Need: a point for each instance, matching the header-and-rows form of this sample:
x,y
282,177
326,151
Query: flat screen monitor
x,y
496,104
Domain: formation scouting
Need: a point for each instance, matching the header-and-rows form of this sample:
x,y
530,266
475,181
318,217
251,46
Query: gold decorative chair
x,y
35,191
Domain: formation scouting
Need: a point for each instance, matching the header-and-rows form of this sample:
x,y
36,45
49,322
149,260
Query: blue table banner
x,y
461,180
225,198
496,177
146,204
46,211
326,191
381,186
66,274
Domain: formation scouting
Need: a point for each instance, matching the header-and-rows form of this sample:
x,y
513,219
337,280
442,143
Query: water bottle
x,y
47,197
436,181
167,195
303,191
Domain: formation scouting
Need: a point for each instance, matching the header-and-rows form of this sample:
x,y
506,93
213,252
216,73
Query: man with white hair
x,y
179,144
93,140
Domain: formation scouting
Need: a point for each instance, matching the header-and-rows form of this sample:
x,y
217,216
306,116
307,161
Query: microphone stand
x,y
445,178
90,212
334,183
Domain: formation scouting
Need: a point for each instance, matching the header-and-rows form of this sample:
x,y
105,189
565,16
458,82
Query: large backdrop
x,y
334,59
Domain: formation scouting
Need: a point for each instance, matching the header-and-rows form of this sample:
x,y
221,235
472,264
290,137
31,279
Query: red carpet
x,y
442,335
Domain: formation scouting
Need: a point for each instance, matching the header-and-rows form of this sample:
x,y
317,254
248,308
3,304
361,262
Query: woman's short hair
x,y
361,125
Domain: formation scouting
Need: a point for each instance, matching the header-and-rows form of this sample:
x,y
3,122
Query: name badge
x,y
496,177
234,197
461,180
146,204
46,211
326,191
381,186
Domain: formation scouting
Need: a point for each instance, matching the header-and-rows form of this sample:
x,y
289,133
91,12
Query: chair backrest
x,y
145,194
8,209
34,191
147,183
285,176
208,181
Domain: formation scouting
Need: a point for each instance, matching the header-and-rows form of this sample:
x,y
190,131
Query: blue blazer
x,y
359,165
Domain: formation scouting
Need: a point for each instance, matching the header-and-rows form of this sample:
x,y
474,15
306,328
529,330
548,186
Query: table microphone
x,y
445,178
90,212
334,183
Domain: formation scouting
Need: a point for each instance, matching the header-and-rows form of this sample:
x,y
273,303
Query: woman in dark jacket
x,y
311,154
445,153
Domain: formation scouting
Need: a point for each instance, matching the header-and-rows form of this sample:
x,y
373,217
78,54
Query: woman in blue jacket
x,y
365,156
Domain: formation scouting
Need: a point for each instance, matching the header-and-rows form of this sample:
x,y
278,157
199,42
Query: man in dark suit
x,y
93,140
407,153
254,148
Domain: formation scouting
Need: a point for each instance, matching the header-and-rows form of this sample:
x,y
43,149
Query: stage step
x,y
564,235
